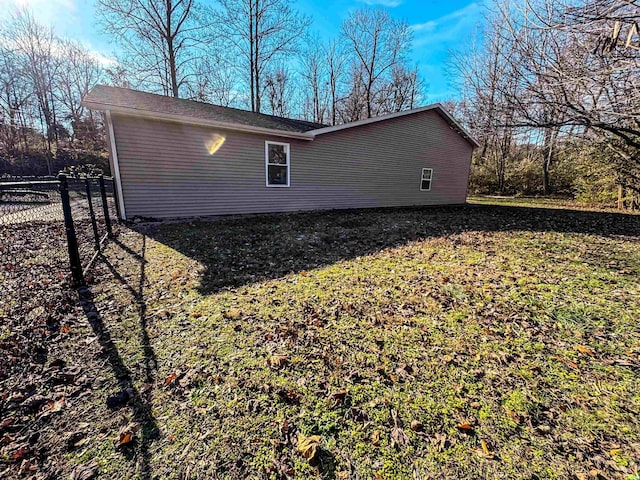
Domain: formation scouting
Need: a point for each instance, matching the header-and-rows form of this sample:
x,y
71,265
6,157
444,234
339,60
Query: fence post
x,y
115,198
72,241
105,206
92,215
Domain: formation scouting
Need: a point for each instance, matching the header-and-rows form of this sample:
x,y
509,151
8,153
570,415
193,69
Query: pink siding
x,y
167,171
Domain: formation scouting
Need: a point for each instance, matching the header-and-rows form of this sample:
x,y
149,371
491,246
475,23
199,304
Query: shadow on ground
x,y
126,392
242,250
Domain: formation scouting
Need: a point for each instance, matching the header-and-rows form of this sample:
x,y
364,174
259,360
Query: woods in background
x,y
43,126
551,90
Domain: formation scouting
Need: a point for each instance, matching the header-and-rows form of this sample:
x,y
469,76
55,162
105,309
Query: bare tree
x,y
315,81
261,32
36,45
336,60
574,80
277,86
379,43
485,79
353,106
118,76
403,91
215,77
14,98
157,38
79,72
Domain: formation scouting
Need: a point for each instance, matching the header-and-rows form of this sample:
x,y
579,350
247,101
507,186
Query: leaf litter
x,y
436,317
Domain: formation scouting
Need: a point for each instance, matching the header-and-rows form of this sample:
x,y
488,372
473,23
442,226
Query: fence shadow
x,y
237,251
140,402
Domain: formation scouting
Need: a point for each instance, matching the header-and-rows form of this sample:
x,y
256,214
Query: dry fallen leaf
x,y
465,427
308,446
170,378
398,437
568,363
440,441
485,452
485,449
416,426
50,407
6,422
26,467
128,433
277,361
375,439
339,396
20,452
584,350
512,414
232,314
85,472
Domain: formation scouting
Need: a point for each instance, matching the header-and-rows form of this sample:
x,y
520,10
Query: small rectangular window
x,y
425,180
277,164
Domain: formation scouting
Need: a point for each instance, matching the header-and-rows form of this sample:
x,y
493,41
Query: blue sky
x,y
438,26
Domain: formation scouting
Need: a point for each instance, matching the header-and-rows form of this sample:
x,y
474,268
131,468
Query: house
x,y
176,158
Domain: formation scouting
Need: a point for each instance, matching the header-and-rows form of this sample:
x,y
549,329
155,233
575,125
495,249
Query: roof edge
x,y
136,112
434,106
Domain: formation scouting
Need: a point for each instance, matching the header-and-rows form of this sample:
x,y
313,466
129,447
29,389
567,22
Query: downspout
x,y
116,165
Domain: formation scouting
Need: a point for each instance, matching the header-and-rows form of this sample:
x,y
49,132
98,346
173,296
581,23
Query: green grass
x,y
519,324
546,202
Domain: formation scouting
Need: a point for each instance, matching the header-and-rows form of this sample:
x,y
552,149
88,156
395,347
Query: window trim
x,y
422,179
266,163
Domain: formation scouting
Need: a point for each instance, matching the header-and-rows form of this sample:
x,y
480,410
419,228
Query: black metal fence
x,y
84,206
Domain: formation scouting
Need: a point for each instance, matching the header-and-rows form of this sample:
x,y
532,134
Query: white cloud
x,y
46,11
102,59
383,3
453,27
59,14
434,39
67,4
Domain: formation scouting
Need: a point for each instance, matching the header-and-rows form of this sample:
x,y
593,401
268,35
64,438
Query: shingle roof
x,y
118,97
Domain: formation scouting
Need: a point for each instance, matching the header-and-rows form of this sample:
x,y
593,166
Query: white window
x,y
277,164
425,179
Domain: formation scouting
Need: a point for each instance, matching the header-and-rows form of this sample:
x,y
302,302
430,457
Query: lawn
x,y
487,341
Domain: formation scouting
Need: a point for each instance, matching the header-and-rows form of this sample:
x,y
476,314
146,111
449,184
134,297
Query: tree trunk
x,y
172,69
549,147
251,59
257,54
369,87
546,187
173,74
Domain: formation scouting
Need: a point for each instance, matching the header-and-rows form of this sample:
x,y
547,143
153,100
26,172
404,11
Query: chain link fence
x,y
83,206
